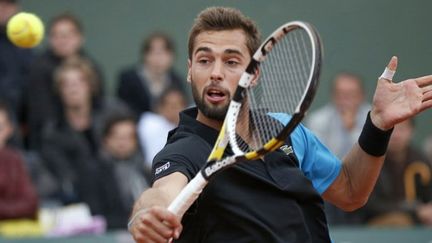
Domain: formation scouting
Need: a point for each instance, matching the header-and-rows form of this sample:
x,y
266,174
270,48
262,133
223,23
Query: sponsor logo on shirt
x,y
162,168
287,149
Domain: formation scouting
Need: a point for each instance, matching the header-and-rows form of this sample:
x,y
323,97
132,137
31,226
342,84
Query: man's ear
x,y
254,80
188,78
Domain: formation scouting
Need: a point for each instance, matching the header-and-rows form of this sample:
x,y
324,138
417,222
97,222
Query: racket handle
x,y
188,195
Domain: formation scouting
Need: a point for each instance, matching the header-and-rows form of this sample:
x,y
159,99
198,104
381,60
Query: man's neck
x,y
242,128
209,122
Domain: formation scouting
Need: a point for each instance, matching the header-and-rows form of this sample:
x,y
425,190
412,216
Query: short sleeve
x,y
318,164
186,155
165,165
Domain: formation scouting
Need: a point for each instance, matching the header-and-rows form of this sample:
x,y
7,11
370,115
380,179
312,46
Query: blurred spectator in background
x,y
65,37
18,197
403,192
338,125
427,147
139,86
124,176
153,127
14,64
70,144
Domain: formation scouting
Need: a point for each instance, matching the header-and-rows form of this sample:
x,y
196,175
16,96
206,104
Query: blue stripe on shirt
x,y
316,161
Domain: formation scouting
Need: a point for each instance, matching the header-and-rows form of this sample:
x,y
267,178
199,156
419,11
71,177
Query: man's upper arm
x,y
316,161
177,163
332,193
186,155
171,185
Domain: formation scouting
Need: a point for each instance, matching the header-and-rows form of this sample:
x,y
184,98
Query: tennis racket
x,y
264,110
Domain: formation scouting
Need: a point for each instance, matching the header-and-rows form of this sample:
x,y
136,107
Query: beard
x,y
215,112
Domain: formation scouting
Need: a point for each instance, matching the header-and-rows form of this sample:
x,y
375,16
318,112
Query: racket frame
x,y
215,163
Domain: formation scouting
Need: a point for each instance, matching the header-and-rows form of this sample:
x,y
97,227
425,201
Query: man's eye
x,y
232,63
203,61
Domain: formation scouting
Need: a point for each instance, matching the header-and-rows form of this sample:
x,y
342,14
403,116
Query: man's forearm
x,y
161,194
150,197
361,172
356,180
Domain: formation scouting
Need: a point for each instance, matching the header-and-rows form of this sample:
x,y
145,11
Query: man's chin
x,y
215,112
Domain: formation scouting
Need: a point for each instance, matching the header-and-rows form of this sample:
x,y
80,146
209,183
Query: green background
x,y
358,36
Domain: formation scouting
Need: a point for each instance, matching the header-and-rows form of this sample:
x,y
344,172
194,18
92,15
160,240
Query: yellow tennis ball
x,y
25,30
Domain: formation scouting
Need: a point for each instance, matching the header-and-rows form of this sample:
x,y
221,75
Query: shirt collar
x,y
189,122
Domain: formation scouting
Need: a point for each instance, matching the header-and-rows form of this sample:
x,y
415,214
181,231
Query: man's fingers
x,y
427,89
178,231
426,105
392,65
169,220
151,234
142,236
427,96
426,100
158,226
424,81
167,216
390,70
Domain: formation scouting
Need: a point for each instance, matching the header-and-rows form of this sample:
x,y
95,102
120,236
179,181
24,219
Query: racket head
x,y
275,91
249,102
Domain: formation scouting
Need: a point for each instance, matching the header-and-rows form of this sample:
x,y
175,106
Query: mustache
x,y
215,86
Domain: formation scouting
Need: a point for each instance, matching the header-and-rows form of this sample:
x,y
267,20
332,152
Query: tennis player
x,y
280,200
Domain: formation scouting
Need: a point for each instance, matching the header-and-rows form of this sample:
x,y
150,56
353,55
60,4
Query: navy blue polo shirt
x,y
273,201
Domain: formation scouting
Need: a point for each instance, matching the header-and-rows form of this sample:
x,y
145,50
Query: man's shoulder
x,y
184,152
186,144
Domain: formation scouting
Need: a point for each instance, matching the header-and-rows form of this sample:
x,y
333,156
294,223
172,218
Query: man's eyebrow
x,y
227,51
234,51
204,49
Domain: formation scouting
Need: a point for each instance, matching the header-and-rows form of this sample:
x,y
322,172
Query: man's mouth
x,y
215,95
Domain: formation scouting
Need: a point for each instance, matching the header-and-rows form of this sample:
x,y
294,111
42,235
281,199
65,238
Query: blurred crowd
x,y
64,140
403,193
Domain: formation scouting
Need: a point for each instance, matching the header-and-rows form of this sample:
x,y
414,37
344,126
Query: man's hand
x,y
151,221
155,225
396,102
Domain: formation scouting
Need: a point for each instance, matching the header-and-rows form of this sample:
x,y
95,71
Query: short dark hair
x,y
350,75
69,17
147,43
223,18
115,118
82,64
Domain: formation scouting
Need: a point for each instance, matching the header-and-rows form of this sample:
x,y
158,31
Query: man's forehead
x,y
228,41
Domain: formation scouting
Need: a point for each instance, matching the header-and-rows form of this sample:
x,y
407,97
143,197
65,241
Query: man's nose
x,y
217,73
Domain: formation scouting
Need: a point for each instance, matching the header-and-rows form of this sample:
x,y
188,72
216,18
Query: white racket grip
x,y
245,80
188,195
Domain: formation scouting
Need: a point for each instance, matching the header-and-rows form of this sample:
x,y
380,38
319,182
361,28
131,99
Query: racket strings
x,y
283,80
